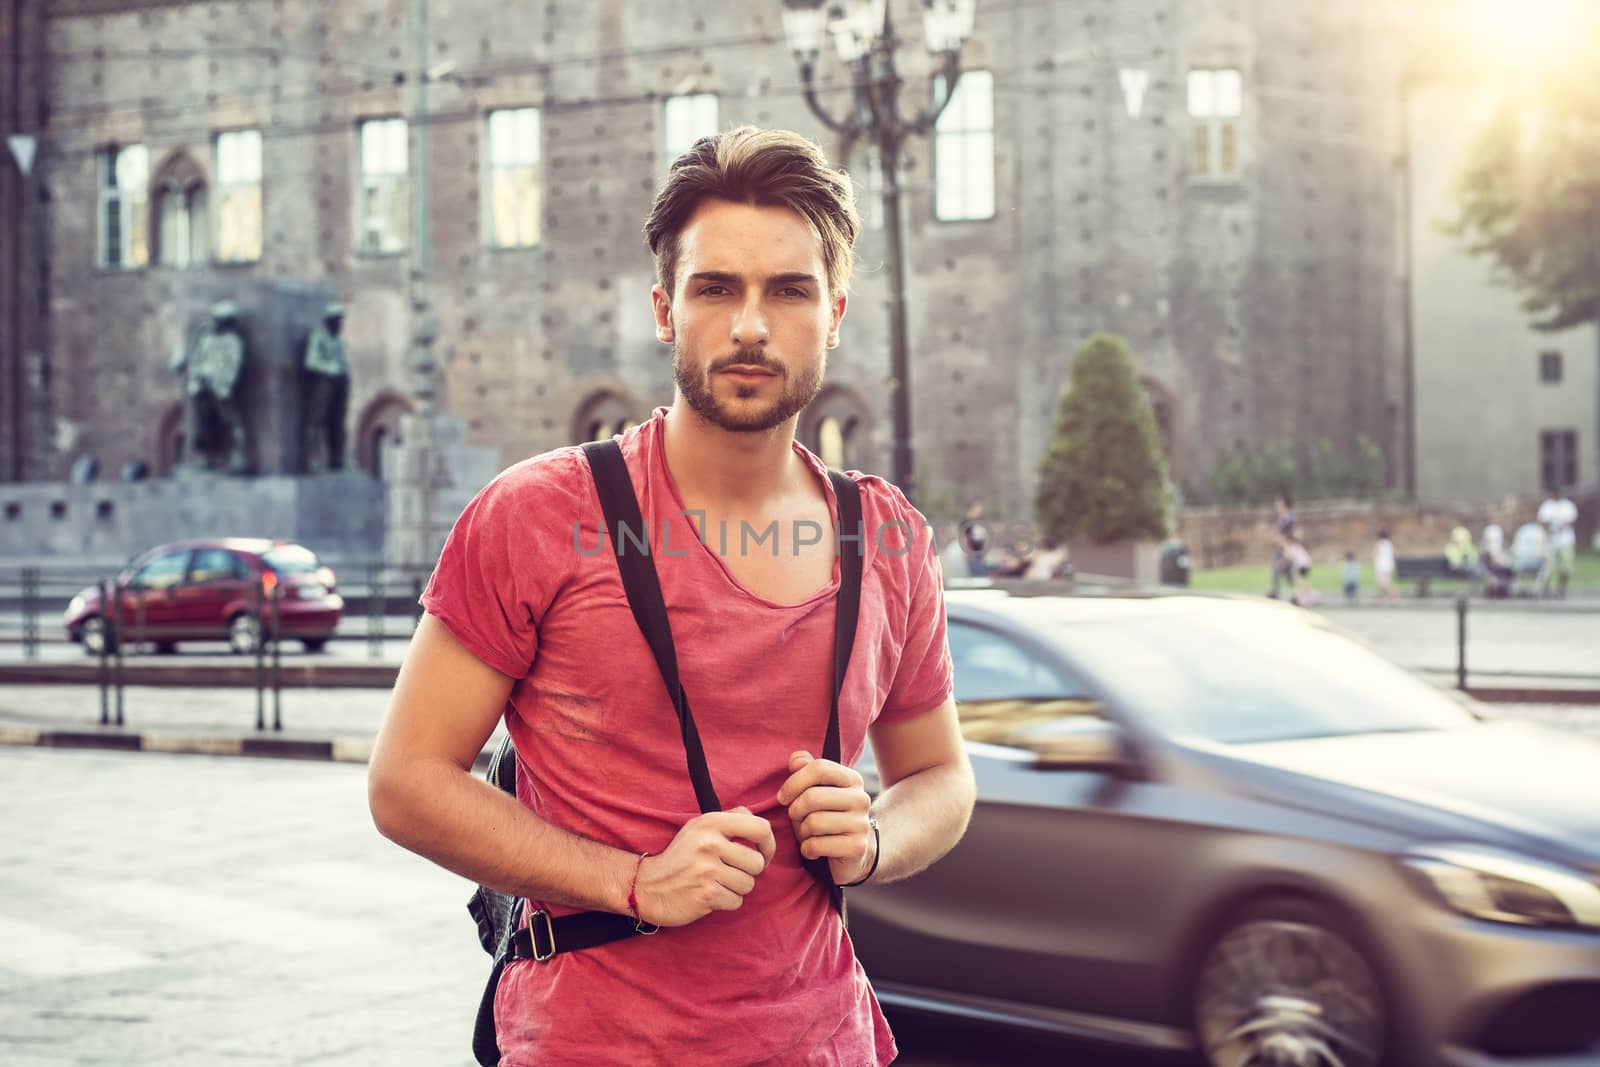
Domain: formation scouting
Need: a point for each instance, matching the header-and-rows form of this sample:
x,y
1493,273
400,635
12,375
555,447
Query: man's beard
x,y
697,388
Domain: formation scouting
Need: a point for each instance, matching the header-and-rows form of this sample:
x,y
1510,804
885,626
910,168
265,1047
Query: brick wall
x,y
1223,537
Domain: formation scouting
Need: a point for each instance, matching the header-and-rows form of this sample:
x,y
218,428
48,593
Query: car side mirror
x,y
1076,743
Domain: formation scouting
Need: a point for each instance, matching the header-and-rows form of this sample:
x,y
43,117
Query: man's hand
x,y
710,866
829,807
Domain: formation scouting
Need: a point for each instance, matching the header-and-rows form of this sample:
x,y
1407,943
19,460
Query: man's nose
x,y
750,324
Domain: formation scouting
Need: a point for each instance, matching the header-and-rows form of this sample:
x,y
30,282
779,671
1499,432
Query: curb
x,y
262,746
206,675
337,749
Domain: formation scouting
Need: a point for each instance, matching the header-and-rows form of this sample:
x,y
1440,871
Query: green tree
x,y
1104,476
1530,198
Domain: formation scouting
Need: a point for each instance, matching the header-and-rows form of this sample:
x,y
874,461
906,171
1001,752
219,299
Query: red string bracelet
x,y
633,900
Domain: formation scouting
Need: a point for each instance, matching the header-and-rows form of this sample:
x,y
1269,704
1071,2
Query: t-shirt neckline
x,y
656,457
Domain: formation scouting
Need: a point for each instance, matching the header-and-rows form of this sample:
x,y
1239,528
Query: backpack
x,y
497,914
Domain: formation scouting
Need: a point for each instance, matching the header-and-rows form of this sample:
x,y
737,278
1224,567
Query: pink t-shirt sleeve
x,y
924,679
503,562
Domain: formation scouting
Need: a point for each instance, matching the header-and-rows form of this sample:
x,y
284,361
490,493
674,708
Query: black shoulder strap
x,y
628,532
851,543
852,535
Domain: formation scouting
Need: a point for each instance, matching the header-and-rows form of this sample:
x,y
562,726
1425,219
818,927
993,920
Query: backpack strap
x,y
628,533
851,544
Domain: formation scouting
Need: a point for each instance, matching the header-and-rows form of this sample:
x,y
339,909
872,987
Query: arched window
x,y
378,428
182,223
837,427
604,414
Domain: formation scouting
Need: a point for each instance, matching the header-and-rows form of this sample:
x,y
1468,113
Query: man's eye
x,y
791,291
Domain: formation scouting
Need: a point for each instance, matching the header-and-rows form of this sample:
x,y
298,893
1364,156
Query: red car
x,y
218,589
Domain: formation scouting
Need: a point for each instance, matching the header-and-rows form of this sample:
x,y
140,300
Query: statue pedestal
x,y
340,517
434,474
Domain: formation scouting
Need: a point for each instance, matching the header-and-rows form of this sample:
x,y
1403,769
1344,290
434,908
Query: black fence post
x,y
119,589
277,656
30,612
1461,642
106,608
416,602
259,595
375,608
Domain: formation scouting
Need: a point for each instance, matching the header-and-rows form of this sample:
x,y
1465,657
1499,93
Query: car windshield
x,y
291,559
1239,676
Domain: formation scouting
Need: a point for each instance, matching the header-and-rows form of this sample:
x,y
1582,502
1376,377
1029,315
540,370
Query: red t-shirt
x,y
526,582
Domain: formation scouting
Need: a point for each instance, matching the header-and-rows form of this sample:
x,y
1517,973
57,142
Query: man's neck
x,y
725,469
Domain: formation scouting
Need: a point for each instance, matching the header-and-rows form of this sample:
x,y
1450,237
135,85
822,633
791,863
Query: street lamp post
x,y
863,35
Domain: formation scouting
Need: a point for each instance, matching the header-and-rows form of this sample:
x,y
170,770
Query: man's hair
x,y
766,168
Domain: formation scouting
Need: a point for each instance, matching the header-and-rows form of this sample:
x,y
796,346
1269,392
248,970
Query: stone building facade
x,y
1248,253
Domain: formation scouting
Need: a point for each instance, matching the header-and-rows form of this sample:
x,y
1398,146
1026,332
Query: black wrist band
x,y
877,853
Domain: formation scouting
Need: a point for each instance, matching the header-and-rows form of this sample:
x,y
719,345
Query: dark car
x,y
213,590
1220,826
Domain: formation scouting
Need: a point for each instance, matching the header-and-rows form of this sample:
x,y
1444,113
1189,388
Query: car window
x,y
214,564
1241,674
291,559
163,572
1001,685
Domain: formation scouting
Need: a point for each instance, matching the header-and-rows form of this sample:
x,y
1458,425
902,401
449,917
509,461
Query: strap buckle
x,y
535,921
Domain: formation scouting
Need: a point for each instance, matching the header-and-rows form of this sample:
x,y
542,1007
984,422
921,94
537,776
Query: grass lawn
x,y
1328,579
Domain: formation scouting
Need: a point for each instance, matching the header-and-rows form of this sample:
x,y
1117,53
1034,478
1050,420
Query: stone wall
x,y
1256,308
1223,537
339,516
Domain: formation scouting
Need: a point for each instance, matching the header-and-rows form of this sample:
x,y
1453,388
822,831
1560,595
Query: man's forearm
x,y
920,818
464,824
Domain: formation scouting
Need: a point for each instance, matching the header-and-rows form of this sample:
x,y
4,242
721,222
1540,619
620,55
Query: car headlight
x,y
1504,887
76,605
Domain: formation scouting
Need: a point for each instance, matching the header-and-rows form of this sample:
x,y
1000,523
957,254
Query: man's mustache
x,y
747,357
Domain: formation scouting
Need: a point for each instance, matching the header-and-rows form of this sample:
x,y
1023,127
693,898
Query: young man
x,y
752,235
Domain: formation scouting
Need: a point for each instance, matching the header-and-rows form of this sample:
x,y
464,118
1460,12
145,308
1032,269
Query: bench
x,y
1424,569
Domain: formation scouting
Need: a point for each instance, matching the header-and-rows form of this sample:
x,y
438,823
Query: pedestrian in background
x,y
1299,563
752,233
1352,577
977,539
1559,516
1283,531
1383,568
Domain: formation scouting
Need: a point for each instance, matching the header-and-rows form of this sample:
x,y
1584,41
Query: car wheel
x,y
315,644
1285,984
244,634
96,636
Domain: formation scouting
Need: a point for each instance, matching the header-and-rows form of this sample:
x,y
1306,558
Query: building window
x,y
238,171
686,119
1216,96
123,176
1558,458
385,188
179,189
514,177
1550,367
963,149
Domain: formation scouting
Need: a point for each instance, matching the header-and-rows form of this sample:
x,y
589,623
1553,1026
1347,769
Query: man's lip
x,y
753,372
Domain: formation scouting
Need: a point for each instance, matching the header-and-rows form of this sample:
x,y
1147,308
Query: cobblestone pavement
x,y
190,910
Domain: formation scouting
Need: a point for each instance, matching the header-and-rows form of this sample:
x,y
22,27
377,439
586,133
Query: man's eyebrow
x,y
723,277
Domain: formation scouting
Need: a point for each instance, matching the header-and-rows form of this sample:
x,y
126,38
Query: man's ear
x,y
662,305
837,315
